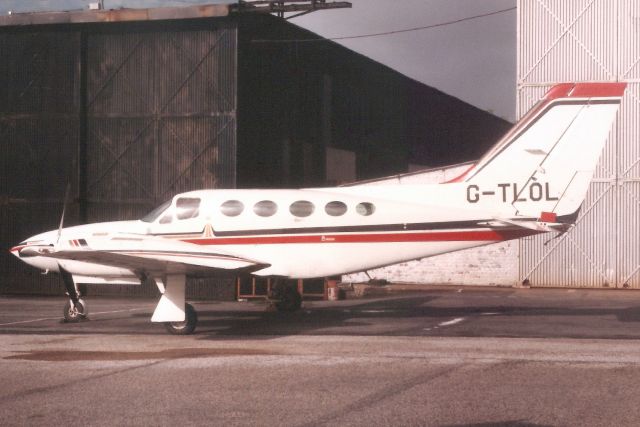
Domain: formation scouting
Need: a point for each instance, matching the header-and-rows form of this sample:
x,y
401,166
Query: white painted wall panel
x,y
629,40
588,40
566,40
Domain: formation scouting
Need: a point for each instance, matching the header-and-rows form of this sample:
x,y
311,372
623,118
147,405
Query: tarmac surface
x,y
440,357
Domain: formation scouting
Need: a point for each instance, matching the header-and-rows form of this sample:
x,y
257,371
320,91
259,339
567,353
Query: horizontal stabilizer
x,y
537,225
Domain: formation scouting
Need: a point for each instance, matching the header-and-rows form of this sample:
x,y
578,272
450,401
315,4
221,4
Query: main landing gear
x,y
188,326
178,316
285,297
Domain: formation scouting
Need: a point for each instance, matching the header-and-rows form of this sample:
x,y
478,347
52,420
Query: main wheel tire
x,y
75,313
288,299
188,326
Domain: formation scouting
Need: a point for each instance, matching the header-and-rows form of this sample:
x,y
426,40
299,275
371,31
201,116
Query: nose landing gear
x,y
75,312
75,309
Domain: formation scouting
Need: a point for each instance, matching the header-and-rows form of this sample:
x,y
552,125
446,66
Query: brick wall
x,y
492,265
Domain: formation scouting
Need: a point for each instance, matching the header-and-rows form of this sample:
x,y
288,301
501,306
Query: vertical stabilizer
x,y
545,163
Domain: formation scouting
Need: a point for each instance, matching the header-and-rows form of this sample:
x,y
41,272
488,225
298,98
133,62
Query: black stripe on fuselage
x,y
423,226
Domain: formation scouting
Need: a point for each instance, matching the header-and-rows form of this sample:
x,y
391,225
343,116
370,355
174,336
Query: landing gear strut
x,y
75,309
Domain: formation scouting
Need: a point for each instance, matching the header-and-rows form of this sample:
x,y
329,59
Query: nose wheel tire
x,y
75,312
188,326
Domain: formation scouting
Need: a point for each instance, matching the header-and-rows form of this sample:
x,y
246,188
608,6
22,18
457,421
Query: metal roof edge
x,y
114,15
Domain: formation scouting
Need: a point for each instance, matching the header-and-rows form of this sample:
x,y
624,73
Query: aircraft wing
x,y
149,255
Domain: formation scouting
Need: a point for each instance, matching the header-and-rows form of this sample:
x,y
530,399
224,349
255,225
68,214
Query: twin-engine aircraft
x,y
532,181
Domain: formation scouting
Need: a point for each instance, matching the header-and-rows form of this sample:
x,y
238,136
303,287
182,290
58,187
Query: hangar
x,y
595,40
132,106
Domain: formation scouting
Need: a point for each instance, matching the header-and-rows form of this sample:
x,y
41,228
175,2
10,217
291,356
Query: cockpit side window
x,y
187,207
154,214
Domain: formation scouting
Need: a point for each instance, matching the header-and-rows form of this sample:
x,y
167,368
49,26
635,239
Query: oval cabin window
x,y
335,208
365,208
232,208
265,208
301,208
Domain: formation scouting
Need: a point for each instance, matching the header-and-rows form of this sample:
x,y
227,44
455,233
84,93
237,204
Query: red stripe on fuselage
x,y
447,236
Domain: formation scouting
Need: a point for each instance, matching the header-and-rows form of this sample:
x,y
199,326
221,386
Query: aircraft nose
x,y
16,249
29,247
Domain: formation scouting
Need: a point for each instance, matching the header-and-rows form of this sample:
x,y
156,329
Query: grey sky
x,y
473,60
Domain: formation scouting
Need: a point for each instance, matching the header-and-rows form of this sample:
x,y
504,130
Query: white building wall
x,y
588,40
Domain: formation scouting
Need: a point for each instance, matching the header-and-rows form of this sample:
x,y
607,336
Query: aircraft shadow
x,y
411,316
407,315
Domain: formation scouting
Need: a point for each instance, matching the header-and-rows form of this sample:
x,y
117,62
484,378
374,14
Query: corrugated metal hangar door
x,y
39,127
134,114
161,118
588,40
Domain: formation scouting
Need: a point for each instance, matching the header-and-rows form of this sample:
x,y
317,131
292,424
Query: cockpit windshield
x,y
154,214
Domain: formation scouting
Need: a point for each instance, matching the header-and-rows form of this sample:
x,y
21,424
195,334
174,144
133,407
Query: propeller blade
x,y
64,209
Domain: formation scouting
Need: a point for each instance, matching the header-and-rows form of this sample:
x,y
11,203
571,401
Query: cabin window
x,y
365,208
301,208
265,208
232,208
335,208
187,207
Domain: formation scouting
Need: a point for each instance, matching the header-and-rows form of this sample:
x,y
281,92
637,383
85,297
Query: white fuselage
x,y
313,232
